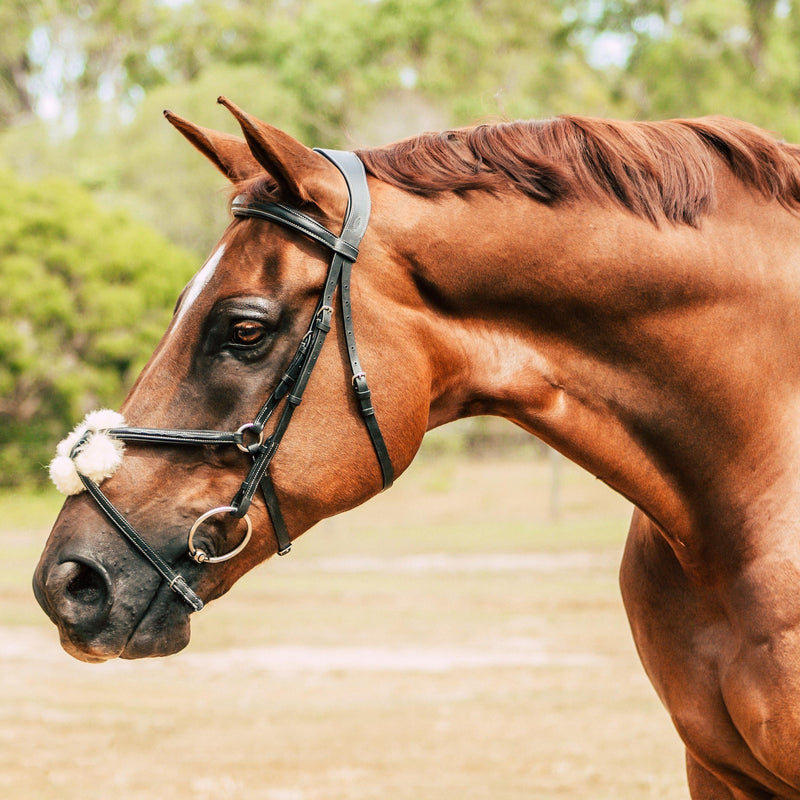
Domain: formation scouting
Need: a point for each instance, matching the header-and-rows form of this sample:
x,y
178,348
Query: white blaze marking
x,y
199,282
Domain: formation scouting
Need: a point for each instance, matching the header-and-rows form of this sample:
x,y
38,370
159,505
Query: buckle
x,y
323,319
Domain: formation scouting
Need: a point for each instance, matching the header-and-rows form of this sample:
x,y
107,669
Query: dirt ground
x,y
447,640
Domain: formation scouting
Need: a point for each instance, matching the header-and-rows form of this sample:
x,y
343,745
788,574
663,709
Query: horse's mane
x,y
654,169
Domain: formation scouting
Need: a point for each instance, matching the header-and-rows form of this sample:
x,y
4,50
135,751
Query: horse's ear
x,y
303,176
229,154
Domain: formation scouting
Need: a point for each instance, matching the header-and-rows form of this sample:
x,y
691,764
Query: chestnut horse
x,y
628,292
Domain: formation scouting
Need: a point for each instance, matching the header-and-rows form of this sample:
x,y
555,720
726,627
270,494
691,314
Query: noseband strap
x,y
251,437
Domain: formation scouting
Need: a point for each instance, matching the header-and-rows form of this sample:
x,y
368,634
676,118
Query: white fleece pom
x,y
65,476
98,458
102,420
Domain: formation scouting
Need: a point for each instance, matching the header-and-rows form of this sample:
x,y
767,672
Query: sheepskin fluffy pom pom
x,y
97,459
65,476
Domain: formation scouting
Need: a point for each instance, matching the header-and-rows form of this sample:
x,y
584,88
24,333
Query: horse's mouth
x,y
163,628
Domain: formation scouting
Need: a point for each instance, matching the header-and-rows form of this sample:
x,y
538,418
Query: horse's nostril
x,y
78,592
86,586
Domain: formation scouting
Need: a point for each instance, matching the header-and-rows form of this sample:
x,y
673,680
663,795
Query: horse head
x,y
243,324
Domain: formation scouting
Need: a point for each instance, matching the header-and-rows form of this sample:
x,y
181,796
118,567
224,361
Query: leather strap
x,y
175,581
360,387
274,509
292,218
359,207
177,436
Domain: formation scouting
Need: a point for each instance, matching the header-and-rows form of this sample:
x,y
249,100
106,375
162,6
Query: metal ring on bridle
x,y
200,556
247,427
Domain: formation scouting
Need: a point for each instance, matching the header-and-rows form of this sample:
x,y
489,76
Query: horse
x,y
628,292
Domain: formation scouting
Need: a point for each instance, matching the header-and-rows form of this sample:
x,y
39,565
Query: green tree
x,y
85,294
57,54
695,57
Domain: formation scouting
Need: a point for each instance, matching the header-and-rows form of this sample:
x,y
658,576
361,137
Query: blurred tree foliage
x,y
337,58
695,57
83,82
85,294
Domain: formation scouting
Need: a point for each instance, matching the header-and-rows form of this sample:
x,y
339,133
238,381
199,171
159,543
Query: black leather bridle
x,y
252,437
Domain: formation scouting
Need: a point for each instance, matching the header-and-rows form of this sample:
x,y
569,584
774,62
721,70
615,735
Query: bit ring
x,y
200,556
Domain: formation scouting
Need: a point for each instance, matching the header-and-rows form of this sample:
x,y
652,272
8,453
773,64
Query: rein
x,y
251,437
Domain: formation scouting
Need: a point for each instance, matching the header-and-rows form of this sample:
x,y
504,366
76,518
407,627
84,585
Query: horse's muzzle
x,y
104,612
76,594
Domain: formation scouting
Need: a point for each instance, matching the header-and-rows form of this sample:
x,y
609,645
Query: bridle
x,y
251,437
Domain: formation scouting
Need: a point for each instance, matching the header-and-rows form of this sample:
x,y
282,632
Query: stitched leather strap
x,y
359,207
363,394
274,509
345,251
177,436
175,581
292,218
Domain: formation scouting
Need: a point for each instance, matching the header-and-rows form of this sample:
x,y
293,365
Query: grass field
x,y
447,640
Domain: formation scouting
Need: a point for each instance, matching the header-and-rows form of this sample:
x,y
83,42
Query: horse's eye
x,y
247,333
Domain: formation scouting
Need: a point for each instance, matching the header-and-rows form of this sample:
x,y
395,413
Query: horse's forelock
x,y
261,189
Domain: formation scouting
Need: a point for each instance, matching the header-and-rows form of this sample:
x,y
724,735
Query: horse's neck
x,y
600,333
